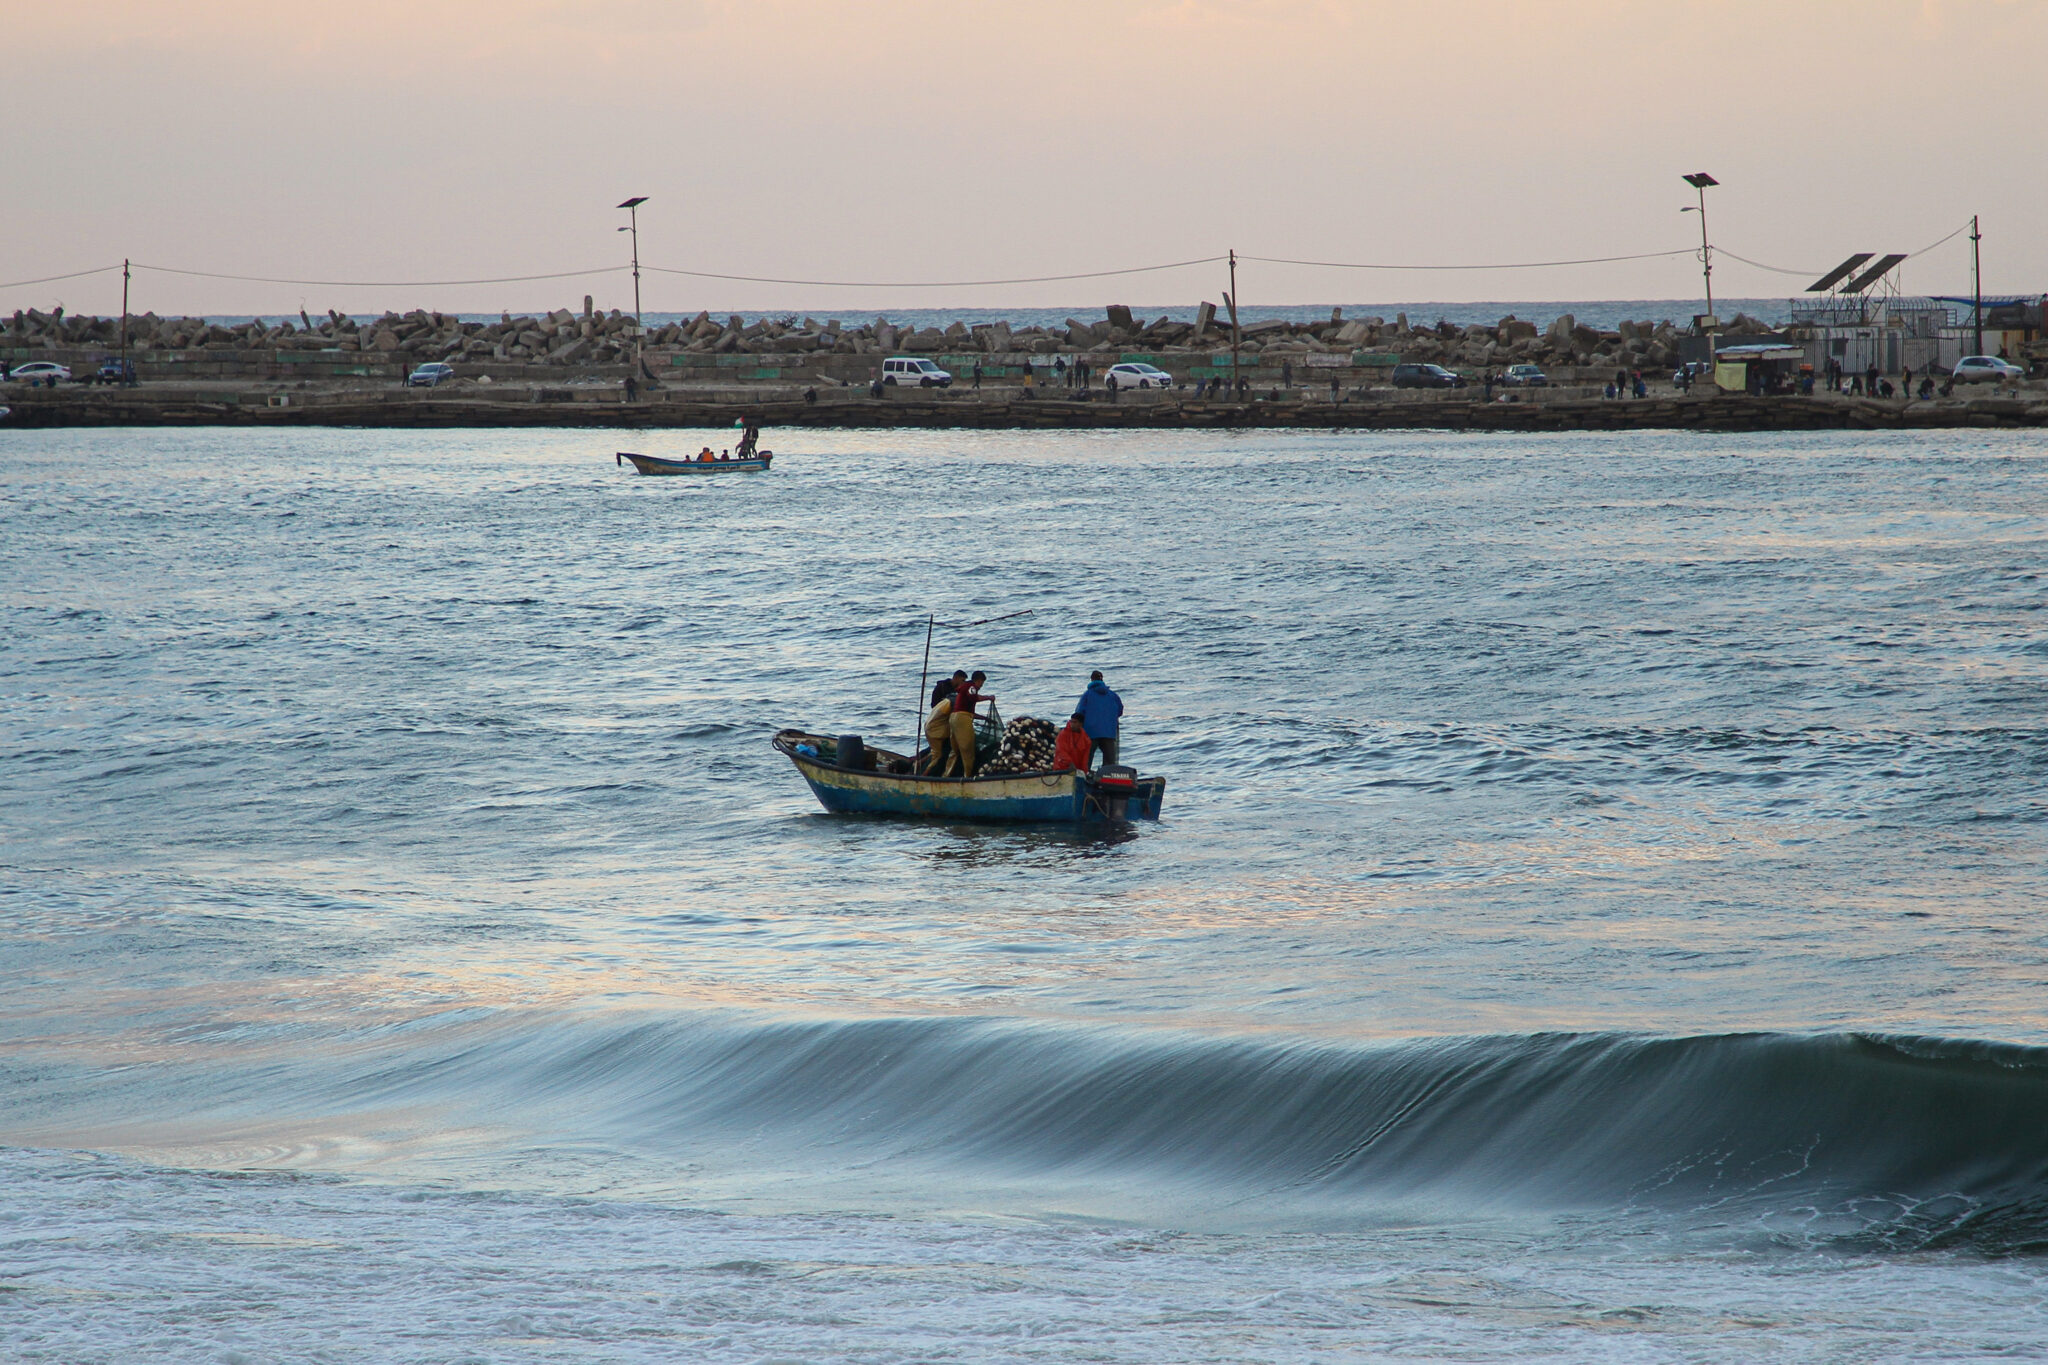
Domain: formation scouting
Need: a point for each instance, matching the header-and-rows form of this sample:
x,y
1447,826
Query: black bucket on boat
x,y
853,753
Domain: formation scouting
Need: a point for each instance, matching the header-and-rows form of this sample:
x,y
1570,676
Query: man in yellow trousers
x,y
938,732
961,721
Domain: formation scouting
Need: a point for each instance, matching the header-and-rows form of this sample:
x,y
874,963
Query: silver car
x,y
47,372
1986,369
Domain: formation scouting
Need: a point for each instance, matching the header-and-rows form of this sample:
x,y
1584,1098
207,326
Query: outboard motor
x,y
853,753
1114,784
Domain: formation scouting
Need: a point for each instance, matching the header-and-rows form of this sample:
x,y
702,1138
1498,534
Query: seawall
x,y
784,406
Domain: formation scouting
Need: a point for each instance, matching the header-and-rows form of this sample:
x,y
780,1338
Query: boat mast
x,y
917,725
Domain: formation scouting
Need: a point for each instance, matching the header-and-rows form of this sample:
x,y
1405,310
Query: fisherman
x,y
937,732
1100,709
946,687
1072,751
704,456
963,701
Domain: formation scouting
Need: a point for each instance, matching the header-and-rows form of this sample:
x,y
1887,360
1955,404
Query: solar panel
x,y
1874,274
1834,277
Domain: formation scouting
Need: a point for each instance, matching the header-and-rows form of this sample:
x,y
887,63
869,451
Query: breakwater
x,y
595,343
1008,408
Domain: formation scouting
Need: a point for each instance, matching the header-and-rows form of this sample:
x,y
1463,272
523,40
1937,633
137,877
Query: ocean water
x,y
1598,914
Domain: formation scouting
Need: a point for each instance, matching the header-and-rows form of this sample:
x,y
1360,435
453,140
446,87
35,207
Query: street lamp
x,y
632,207
1699,180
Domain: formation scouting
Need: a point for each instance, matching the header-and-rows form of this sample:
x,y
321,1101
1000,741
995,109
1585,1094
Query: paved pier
x,y
1006,408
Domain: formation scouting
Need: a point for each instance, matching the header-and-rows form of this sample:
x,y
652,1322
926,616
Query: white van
x,y
924,374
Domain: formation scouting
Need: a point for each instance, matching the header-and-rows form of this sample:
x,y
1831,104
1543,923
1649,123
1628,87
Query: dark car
x,y
430,374
115,371
1426,377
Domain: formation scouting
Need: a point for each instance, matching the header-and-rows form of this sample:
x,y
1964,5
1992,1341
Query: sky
x,y
410,145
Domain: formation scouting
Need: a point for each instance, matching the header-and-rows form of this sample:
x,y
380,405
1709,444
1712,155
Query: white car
x,y
39,372
1135,376
924,374
1986,369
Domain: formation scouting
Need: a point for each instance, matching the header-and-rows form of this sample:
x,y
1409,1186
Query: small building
x,y
1893,333
2012,324
1758,367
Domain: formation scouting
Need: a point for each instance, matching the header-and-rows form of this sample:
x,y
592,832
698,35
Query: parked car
x,y
1692,371
1525,376
1135,376
115,370
1426,377
924,374
1986,369
429,374
47,372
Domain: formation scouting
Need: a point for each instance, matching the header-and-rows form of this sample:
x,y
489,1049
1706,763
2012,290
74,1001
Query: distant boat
x,y
654,464
870,785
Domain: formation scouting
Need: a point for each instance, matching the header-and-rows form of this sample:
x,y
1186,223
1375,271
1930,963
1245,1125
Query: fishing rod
x,y
932,622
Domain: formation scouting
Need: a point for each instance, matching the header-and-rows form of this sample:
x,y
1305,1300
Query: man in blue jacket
x,y
1100,708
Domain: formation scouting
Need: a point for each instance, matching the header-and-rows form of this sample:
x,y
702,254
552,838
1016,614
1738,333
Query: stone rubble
x,y
597,338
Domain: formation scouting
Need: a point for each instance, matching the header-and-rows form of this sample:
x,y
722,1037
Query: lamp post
x,y
632,207
1699,180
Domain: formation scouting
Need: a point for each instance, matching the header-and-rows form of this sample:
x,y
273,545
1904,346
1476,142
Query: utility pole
x,y
1699,180
1976,287
632,207
1236,334
124,319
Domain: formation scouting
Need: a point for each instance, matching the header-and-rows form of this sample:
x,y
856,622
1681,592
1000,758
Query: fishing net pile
x,y
1027,747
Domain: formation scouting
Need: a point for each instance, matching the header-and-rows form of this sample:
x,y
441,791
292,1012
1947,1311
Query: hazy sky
x,y
445,140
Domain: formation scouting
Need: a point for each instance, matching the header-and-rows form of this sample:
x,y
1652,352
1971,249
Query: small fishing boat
x,y
654,464
850,778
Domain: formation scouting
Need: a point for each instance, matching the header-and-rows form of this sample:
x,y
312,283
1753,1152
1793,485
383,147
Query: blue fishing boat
x,y
654,464
874,781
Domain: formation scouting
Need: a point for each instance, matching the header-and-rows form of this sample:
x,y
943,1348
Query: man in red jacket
x,y
1072,749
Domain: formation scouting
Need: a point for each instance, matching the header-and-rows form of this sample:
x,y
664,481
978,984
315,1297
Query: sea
x,y
1599,914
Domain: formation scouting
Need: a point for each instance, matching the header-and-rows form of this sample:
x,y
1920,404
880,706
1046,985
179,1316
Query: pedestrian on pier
x,y
977,374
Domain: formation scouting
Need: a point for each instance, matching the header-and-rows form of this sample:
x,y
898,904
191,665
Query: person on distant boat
x,y
704,455
964,699
1100,711
724,456
1072,749
938,732
946,687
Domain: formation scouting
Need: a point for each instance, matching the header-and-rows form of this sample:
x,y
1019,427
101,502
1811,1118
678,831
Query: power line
x,y
51,279
932,284
1960,230
1507,265
1781,270
377,284
1774,269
